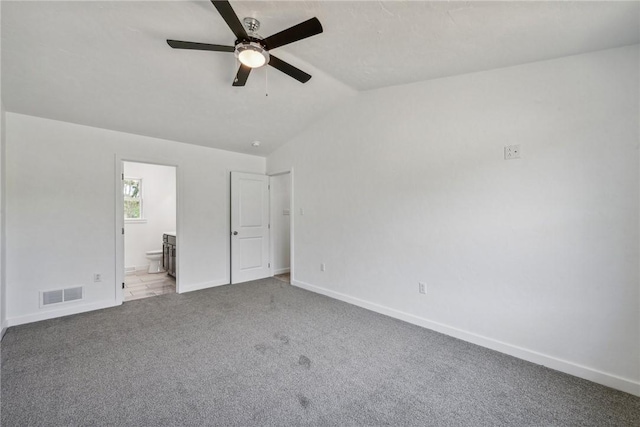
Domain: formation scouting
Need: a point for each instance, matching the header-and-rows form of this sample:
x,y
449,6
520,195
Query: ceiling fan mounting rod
x,y
251,24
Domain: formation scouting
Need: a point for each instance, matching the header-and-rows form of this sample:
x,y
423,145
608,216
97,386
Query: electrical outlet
x,y
422,288
322,267
97,277
512,152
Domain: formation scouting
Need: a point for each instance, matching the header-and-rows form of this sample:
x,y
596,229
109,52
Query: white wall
x,y
3,270
280,231
3,299
61,192
159,212
536,257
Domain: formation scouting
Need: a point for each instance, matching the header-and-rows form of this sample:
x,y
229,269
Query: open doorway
x,y
149,207
281,224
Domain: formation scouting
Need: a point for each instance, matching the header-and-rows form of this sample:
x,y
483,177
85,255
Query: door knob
x,y
235,233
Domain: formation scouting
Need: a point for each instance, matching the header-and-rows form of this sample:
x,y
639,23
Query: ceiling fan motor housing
x,y
251,52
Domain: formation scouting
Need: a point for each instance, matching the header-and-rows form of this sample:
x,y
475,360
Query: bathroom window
x,y
132,191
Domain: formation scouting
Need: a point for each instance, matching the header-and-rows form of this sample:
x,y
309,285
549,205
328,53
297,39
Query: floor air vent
x,y
60,295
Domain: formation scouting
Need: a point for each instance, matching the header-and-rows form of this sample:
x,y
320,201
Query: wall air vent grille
x,y
59,296
52,297
72,294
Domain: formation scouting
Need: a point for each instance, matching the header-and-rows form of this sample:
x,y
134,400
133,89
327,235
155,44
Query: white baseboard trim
x,y
281,271
204,285
52,314
609,380
133,268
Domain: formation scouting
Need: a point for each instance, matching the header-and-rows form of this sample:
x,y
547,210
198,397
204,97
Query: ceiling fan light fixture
x,y
252,54
250,48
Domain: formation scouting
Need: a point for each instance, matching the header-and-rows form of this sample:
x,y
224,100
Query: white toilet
x,y
155,258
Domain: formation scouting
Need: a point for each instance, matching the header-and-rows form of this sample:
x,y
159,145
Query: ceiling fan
x,y
252,50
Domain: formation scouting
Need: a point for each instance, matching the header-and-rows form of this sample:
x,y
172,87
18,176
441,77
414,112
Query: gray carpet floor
x,y
266,353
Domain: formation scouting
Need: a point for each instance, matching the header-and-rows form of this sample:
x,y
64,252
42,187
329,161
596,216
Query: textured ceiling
x,y
106,64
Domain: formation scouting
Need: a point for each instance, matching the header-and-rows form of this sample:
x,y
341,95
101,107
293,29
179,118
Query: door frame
x,y
291,219
119,217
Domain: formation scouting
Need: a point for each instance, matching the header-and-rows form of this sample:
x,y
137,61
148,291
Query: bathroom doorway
x,y
149,193
281,206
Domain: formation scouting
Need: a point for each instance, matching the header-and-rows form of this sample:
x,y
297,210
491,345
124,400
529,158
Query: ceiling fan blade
x,y
289,69
242,76
226,11
177,44
301,31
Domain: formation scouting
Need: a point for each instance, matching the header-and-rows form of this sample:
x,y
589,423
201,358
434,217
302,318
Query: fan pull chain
x,y
266,81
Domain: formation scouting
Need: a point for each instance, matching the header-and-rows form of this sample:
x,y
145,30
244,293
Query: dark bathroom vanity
x,y
169,253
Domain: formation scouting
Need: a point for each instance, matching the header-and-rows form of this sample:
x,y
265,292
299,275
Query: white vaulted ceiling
x,y
107,64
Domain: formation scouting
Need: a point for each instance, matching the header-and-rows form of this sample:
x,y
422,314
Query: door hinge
x,y
122,230
123,177
269,265
122,285
269,187
269,226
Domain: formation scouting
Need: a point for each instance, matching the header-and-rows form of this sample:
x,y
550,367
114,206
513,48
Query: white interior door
x,y
249,227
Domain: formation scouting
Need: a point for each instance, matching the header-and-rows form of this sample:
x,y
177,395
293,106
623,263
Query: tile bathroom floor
x,y
143,285
283,277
